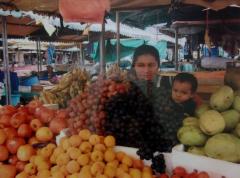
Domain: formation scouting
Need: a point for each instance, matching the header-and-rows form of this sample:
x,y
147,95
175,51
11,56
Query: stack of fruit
x,y
84,155
215,130
68,87
20,130
86,110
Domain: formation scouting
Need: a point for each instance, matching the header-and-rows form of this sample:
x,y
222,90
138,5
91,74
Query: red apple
x,y
20,166
35,124
203,175
3,153
10,132
24,131
14,143
13,160
18,119
5,120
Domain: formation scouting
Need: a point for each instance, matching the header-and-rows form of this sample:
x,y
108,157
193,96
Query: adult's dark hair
x,y
143,50
189,78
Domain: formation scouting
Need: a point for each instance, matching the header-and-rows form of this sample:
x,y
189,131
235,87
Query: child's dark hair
x,y
146,49
189,78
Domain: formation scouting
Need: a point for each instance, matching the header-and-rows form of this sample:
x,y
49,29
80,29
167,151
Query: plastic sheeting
x,y
84,10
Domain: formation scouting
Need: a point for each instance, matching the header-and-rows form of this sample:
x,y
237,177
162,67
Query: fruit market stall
x,y
108,112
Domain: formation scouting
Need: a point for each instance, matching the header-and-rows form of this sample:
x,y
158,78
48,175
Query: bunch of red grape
x,y
86,110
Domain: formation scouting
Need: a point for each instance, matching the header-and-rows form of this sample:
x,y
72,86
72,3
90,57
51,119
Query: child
x,y
184,90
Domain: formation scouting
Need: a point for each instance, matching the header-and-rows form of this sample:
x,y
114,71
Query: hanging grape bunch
x,y
86,110
147,123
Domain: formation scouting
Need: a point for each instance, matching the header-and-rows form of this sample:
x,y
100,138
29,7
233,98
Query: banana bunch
x,y
115,72
69,86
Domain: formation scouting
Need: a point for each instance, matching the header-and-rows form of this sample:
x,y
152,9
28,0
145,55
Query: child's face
x,y
181,91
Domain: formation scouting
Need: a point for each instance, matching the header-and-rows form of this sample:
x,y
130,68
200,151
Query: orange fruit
x,y
44,134
75,140
73,153
73,167
94,139
62,159
85,134
127,160
109,155
97,168
120,155
83,159
85,147
97,156
109,141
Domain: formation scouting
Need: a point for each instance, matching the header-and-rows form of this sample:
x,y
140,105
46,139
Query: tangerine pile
x,y
84,155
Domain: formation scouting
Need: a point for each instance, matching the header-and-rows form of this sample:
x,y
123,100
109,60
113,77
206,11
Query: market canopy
x,y
51,6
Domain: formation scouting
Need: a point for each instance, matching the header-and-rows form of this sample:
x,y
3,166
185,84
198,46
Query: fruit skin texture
x,y
3,153
222,99
56,125
223,146
231,118
191,135
196,150
3,136
18,119
44,134
24,130
35,124
25,152
236,103
190,121
7,171
180,171
14,143
212,122
203,175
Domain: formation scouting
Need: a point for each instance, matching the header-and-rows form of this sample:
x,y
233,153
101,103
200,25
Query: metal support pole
x,y
6,61
38,57
102,50
176,49
82,55
39,53
118,37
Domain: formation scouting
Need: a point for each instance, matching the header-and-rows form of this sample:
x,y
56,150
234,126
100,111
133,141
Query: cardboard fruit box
x,y
215,168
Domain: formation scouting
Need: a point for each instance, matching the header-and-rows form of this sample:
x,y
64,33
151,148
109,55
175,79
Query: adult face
x,y
146,67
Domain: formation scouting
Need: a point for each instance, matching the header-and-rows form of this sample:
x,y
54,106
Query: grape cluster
x,y
147,123
131,118
158,163
86,110
126,116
